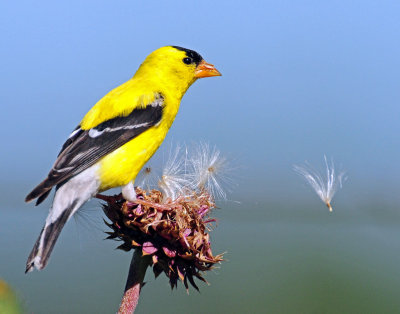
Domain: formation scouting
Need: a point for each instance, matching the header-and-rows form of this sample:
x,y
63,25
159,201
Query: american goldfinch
x,y
115,139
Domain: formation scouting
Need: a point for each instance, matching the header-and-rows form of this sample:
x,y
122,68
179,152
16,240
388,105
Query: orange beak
x,y
205,69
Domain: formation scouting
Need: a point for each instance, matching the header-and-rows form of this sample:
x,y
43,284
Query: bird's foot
x,y
134,203
160,207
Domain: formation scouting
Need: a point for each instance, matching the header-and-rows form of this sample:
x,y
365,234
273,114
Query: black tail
x,y
40,192
47,239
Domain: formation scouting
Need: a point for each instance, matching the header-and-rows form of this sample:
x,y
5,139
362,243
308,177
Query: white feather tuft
x,y
325,187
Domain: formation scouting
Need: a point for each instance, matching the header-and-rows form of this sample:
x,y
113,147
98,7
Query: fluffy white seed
x,y
174,180
208,170
325,187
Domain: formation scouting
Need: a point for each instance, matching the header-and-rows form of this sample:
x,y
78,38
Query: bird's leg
x,y
157,206
129,193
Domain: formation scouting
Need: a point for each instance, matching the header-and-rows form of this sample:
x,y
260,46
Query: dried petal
x,y
154,259
203,210
138,210
168,252
180,274
148,248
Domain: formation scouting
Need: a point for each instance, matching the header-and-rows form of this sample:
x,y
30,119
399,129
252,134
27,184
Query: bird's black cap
x,y
191,54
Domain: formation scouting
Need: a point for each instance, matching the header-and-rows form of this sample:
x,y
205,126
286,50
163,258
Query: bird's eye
x,y
187,60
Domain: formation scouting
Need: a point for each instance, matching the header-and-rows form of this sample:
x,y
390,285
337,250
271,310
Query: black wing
x,y
85,147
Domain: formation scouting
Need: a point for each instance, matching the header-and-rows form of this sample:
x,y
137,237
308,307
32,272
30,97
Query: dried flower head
x,y
174,233
208,171
324,187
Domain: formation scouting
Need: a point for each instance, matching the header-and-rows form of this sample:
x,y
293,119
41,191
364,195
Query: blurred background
x,y
300,79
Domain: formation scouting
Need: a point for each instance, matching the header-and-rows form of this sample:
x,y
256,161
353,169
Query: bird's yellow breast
x,y
122,166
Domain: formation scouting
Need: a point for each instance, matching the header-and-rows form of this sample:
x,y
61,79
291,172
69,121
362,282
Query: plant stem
x,y
134,283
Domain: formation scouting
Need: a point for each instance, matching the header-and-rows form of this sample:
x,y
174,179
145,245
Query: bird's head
x,y
176,67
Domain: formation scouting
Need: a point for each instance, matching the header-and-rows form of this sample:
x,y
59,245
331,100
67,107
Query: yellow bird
x,y
115,139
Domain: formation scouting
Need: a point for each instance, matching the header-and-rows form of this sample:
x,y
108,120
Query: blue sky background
x,y
300,79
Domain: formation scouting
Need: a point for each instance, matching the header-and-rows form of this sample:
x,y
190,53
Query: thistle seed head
x,y
208,170
325,187
174,180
